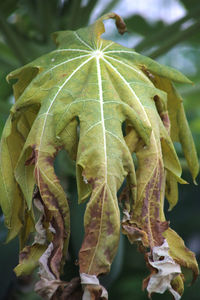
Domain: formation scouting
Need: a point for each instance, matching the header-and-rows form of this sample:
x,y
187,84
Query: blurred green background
x,y
166,30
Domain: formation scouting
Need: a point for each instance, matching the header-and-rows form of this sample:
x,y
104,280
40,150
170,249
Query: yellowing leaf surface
x,y
78,97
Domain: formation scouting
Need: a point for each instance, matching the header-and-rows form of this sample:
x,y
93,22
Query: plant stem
x,y
163,33
13,41
177,38
74,14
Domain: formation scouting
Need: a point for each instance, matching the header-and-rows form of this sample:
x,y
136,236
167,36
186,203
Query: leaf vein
x,y
82,42
75,50
108,46
126,65
60,88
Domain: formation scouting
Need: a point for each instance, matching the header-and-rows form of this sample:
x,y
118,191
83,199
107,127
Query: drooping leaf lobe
x,y
78,98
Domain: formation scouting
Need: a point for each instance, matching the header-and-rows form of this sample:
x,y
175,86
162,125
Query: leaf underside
x,y
76,98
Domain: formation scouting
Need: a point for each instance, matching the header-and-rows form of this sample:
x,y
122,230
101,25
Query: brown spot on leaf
x,y
165,119
108,254
178,284
95,292
64,75
147,72
94,231
110,228
148,191
134,233
24,254
92,181
49,159
55,217
125,195
149,220
72,290
32,159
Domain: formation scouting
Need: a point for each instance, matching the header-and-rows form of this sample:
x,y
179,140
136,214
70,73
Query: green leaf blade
x,y
102,103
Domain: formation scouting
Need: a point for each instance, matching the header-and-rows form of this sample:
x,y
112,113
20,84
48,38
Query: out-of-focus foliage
x,y
25,28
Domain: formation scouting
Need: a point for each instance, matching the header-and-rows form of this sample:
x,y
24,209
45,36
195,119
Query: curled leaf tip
x,y
120,24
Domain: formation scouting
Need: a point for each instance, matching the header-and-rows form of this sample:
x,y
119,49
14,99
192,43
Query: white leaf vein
x,y
82,42
99,78
74,103
75,50
64,62
122,51
109,45
142,108
102,111
130,67
130,88
52,102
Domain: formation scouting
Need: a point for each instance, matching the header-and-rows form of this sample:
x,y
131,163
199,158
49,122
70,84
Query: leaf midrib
x,y
50,106
147,120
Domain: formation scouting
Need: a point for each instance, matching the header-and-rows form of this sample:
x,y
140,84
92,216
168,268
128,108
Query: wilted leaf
x,y
180,131
78,98
180,253
9,188
167,271
28,259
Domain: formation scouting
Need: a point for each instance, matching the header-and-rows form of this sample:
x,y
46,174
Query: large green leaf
x,y
79,97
